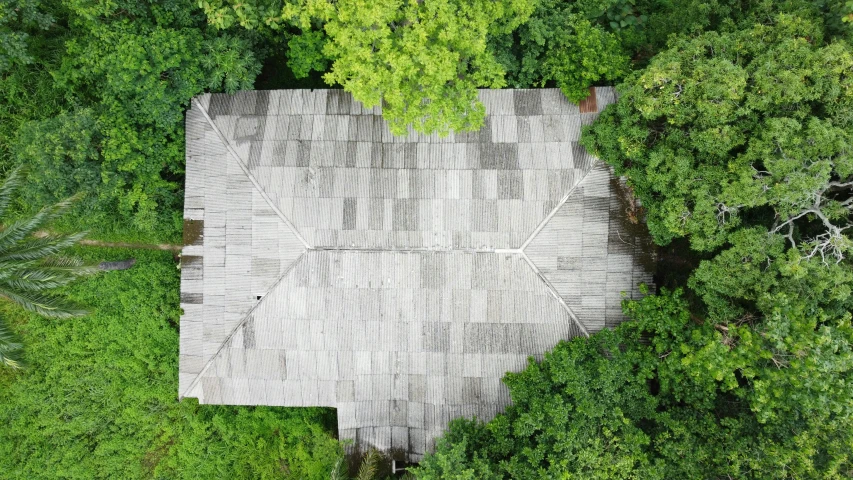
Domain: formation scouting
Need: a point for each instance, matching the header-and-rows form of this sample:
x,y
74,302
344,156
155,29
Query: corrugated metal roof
x,y
396,279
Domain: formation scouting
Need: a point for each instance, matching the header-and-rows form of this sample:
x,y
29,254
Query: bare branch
x,y
723,210
790,235
840,185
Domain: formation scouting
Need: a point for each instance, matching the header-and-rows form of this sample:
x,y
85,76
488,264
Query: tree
x,y
60,155
560,44
17,19
667,396
31,267
422,61
134,67
749,127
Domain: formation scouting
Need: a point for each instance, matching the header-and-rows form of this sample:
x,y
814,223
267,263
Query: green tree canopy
x,y
159,60
111,80
19,18
728,130
422,61
560,43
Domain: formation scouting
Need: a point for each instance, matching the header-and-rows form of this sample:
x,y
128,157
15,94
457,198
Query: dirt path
x,y
99,243
149,246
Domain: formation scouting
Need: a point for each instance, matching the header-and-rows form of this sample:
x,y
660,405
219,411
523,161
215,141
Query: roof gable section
x,y
339,317
588,256
224,211
334,171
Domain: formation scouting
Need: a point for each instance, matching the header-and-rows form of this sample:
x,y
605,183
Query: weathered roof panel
x,y
328,263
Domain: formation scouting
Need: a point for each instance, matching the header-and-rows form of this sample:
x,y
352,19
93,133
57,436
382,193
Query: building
x,y
328,263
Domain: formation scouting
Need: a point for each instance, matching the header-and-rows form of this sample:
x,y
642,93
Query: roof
x,y
329,263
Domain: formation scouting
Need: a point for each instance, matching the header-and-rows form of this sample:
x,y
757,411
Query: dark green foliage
x,y
124,73
17,19
744,128
159,58
305,53
296,23
756,266
770,400
99,397
61,153
560,45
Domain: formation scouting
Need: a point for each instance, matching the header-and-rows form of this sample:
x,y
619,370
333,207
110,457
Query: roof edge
x,y
237,327
198,103
554,293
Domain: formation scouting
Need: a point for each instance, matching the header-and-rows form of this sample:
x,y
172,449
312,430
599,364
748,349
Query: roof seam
x,y
413,249
554,293
557,208
249,175
239,325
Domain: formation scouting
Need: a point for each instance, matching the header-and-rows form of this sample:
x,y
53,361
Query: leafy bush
x,y
99,397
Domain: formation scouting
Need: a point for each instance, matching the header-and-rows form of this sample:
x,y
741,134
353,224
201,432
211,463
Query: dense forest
x,y
733,129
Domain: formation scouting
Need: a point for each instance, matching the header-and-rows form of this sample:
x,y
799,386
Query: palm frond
x,y
10,347
46,305
337,472
62,261
55,263
21,229
30,267
79,270
39,248
9,187
369,465
38,279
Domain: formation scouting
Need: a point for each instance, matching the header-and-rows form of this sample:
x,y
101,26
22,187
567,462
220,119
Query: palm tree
x,y
31,267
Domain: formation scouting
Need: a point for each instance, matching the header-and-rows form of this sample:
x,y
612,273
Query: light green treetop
x,y
422,61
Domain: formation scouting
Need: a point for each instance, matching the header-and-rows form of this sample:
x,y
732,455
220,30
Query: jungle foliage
x,y
92,100
737,140
732,127
721,126
98,398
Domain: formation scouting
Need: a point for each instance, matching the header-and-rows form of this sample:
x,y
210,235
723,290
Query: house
x,y
329,263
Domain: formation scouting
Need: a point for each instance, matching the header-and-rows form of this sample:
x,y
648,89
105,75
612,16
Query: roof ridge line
x,y
557,208
240,324
248,174
554,293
